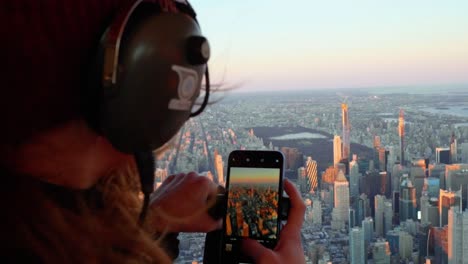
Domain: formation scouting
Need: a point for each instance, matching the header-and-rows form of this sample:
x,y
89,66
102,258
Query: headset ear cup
x,y
149,102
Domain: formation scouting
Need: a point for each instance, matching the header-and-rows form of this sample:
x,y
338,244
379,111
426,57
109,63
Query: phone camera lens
x,y
247,159
277,161
262,160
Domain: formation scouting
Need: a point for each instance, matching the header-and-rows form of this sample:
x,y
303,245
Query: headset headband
x,y
114,38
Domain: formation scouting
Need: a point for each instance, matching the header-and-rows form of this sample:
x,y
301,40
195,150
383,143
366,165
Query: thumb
x,y
255,250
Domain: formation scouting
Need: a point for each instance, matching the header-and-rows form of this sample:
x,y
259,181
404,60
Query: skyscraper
x,y
346,131
312,175
457,236
341,195
357,246
388,216
354,177
379,215
362,208
405,245
352,218
401,133
336,150
453,149
447,199
317,212
408,203
443,155
464,152
424,203
368,228
381,252
456,177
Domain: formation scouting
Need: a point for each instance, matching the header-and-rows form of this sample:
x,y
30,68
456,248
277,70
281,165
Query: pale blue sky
x,y
311,44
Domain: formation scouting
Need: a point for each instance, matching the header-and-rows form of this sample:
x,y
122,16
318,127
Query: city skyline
x,y
407,205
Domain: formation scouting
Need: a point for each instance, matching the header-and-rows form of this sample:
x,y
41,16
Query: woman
x,y
67,195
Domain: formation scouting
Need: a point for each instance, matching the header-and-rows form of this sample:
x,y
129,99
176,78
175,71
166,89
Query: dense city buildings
x,y
403,184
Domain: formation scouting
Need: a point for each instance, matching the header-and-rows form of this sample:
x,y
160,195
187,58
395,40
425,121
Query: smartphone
x,y
254,187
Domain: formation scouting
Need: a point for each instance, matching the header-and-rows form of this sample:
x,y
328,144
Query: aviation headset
x,y
149,72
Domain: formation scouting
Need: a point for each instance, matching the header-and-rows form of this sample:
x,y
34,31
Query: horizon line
x,y
448,87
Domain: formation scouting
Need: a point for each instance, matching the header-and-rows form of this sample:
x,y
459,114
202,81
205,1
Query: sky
x,y
254,176
321,44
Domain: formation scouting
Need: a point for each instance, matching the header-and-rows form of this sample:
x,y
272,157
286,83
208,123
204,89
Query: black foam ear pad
x,y
155,85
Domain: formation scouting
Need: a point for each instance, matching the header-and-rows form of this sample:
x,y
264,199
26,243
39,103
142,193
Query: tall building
x,y
453,149
361,205
384,183
336,149
383,158
457,236
424,203
433,186
377,142
408,203
354,177
357,246
379,215
397,172
447,199
405,245
456,178
443,155
317,212
393,238
418,178
438,171
341,197
422,238
388,216
464,152
401,133
440,244
351,218
381,252
346,132
368,228
312,175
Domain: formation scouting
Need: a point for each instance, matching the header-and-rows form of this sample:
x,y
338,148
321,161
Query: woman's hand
x,y
289,247
181,203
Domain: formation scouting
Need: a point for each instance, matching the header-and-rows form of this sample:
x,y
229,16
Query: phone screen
x,y
253,198
254,189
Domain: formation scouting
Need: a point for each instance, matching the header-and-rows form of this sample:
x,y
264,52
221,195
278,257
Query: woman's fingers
x,y
296,212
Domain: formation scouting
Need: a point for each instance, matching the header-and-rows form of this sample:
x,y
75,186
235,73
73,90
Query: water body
x,y
461,111
395,120
303,135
